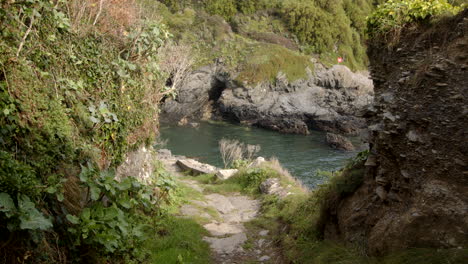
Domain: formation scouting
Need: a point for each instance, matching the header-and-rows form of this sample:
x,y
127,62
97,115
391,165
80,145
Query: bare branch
x,y
25,36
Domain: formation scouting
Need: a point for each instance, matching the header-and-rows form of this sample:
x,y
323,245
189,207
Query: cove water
x,y
302,155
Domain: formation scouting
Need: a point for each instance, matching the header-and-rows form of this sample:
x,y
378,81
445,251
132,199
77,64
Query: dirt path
x,y
225,216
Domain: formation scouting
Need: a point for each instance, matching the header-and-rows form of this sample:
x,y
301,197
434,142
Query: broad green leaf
x,y
7,205
30,217
60,197
51,189
110,213
94,119
86,214
125,184
95,191
73,219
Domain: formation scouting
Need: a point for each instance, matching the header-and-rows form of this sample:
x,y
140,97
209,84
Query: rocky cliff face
x,y
328,100
415,191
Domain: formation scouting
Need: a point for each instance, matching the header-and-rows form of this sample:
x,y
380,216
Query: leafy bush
x,y
395,14
116,218
329,28
264,62
224,8
68,96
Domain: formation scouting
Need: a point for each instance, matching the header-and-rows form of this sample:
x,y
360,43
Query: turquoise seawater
x,y
302,155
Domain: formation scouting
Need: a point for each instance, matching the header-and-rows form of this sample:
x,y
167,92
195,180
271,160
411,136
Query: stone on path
x,y
190,210
227,245
222,229
196,167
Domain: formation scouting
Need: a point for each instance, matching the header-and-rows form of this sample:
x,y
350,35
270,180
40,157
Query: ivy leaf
x,y
7,205
51,189
92,109
86,214
73,219
94,119
125,184
95,191
110,213
30,217
60,197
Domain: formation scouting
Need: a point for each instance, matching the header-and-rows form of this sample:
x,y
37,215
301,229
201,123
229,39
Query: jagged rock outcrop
x,y
339,142
415,189
328,100
195,98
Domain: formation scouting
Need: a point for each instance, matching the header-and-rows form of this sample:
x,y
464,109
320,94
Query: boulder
x,y
339,142
257,162
273,186
194,97
226,174
195,167
331,100
164,153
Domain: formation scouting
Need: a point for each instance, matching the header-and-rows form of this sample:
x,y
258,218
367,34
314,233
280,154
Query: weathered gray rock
x,y
339,142
414,193
273,186
164,153
257,162
194,96
226,174
138,164
330,101
196,167
222,229
227,245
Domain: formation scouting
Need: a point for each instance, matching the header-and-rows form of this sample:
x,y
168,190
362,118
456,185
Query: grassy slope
x,y
259,42
68,97
295,221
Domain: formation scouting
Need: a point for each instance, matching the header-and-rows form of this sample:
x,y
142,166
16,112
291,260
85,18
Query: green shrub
x,y
395,14
265,61
328,27
116,219
68,98
224,8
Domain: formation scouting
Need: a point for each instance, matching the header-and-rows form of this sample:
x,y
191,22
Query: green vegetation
x,y
265,61
258,39
296,223
78,90
179,241
393,15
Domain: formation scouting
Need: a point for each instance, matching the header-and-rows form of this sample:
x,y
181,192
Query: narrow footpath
x,y
224,216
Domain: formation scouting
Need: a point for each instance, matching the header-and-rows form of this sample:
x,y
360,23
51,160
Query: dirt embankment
x,y
416,184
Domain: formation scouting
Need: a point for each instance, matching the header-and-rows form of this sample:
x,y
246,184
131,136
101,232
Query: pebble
x,y
264,258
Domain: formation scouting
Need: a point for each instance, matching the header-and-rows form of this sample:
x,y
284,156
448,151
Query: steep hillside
x,y
415,185
251,36
77,92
